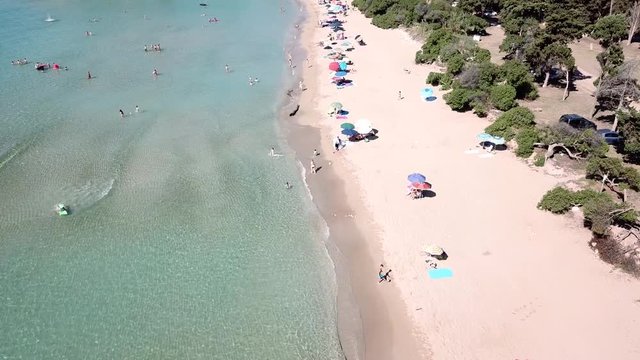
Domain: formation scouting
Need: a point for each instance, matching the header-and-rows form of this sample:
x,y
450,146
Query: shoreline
x,y
372,318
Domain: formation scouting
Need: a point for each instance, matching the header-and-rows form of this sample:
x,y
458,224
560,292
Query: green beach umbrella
x,y
336,106
347,126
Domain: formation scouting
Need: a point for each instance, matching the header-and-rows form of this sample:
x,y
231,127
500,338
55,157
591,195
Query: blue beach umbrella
x,y
416,178
343,65
349,132
341,73
496,140
426,93
347,126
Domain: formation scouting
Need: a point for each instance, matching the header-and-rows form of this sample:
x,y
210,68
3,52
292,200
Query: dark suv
x,y
577,122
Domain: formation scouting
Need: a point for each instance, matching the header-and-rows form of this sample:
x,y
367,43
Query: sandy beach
x,y
525,284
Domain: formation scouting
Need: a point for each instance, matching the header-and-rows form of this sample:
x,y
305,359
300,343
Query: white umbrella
x,y
363,126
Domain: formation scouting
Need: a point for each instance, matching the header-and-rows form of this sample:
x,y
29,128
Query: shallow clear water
x,y
183,242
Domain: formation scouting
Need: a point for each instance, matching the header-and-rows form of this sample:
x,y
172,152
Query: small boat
x,y
49,18
62,209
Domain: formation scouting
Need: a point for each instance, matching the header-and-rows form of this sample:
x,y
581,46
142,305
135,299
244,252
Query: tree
x,y
634,21
520,21
618,91
629,128
611,172
517,74
575,143
568,63
610,30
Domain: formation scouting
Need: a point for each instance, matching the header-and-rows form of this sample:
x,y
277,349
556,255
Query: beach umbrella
x,y
417,178
341,73
496,140
347,126
434,250
343,65
421,185
363,126
349,132
335,106
363,129
334,66
426,93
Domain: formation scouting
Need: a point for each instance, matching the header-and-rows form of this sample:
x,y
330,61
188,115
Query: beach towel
x,y
342,117
441,273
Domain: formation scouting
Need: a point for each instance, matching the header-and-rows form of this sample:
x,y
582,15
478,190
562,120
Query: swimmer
x,y
89,75
255,80
145,48
287,185
137,109
250,81
272,152
121,114
226,68
155,72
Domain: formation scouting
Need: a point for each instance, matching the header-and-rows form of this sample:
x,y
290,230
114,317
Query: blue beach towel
x,y
440,273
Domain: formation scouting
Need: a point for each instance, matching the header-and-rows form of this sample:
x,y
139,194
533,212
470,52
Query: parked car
x,y
577,122
610,137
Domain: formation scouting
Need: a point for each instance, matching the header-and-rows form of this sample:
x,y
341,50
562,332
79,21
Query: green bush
x,y
446,82
459,99
455,64
525,139
557,200
481,55
508,124
599,209
480,110
434,44
434,78
517,74
388,20
539,160
503,97
614,169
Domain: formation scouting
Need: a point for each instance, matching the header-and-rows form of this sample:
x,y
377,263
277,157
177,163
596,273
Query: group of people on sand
x,y
154,47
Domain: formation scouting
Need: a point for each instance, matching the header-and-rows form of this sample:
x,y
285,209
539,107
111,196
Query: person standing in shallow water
x,y
89,75
121,114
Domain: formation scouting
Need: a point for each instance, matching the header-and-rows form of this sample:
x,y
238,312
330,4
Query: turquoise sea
x,y
183,242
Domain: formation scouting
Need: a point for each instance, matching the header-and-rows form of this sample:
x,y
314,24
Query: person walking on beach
x,y
301,86
313,167
315,152
384,276
399,95
337,143
121,114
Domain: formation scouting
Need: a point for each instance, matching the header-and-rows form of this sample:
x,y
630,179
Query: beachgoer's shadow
x,y
318,168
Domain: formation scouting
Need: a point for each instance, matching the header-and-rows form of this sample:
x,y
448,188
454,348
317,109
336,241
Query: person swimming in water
x,y
155,72
121,114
